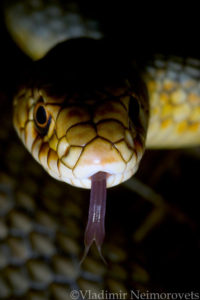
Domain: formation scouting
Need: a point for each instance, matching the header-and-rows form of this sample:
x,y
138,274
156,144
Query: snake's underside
x,y
86,113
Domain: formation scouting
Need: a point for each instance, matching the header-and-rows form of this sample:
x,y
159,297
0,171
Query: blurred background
x,y
152,221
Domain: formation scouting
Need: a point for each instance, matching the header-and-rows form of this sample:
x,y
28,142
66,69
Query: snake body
x,y
100,116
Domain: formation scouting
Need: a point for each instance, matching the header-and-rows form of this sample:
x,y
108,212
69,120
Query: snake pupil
x,y
42,119
41,115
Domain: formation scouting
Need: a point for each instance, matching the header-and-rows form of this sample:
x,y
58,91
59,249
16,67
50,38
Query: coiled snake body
x,y
83,114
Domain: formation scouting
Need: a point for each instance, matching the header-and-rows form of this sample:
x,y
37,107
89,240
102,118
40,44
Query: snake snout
x,y
99,142
99,155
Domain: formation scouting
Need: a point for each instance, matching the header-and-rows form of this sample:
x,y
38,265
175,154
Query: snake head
x,y
73,141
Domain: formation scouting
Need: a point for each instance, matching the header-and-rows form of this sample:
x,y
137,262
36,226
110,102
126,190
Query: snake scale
x,y
42,236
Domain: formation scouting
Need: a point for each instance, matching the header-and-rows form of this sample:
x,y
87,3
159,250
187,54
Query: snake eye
x,y
134,109
42,118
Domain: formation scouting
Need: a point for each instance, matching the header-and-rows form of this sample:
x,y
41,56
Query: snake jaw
x,y
95,229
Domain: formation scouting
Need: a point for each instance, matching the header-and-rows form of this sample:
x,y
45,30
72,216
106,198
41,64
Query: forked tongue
x,y
95,230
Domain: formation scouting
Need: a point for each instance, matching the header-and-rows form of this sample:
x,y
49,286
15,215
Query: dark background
x,y
169,253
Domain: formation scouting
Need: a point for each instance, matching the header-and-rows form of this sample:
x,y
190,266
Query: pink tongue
x,y
95,230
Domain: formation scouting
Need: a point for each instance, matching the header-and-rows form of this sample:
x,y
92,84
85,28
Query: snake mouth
x,y
116,173
111,179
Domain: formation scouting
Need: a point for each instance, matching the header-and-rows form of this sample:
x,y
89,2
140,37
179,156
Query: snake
x,y
88,121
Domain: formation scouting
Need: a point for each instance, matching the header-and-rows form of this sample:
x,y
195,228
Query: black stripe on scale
x,y
109,120
82,123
